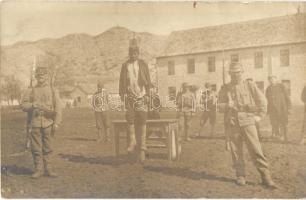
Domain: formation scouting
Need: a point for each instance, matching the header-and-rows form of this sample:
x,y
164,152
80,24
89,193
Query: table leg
x,y
169,141
116,131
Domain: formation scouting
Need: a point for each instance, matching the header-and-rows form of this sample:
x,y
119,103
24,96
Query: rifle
x,y
30,113
227,138
54,103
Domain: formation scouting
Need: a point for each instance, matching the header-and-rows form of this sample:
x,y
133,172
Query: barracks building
x,y
267,46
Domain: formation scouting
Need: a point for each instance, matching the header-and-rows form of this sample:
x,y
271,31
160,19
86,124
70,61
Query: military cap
x,y
185,84
272,76
100,84
207,84
43,64
133,46
235,67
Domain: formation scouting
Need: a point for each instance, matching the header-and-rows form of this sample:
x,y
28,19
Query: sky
x,y
33,20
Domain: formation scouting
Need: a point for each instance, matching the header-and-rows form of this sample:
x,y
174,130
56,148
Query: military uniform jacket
x,y
44,105
248,101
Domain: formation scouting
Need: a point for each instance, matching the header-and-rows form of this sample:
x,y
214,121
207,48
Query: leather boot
x,y
37,174
107,135
48,168
267,180
99,139
38,168
241,180
132,143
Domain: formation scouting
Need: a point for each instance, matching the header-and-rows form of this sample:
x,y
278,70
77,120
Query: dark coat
x,y
143,78
303,97
278,101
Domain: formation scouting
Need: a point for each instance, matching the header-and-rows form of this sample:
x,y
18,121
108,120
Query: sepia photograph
x,y
153,99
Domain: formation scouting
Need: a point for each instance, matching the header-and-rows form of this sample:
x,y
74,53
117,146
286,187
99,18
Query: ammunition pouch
x,y
49,114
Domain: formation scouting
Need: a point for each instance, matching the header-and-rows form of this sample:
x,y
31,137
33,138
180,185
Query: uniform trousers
x,y
248,134
41,147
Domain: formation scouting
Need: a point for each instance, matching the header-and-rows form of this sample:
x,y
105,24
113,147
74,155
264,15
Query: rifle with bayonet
x,y
30,113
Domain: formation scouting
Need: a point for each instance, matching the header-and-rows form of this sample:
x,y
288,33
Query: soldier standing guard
x,y
100,105
43,101
279,105
134,91
245,104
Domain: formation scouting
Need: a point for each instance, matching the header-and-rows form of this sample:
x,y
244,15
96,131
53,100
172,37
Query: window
x,y
211,64
260,85
79,99
171,68
284,57
190,66
172,93
287,85
234,58
258,60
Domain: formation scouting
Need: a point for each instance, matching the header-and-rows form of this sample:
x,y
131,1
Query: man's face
x,y
272,80
133,53
41,78
236,76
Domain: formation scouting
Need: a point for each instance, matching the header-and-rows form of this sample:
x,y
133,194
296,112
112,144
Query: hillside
x,y
82,58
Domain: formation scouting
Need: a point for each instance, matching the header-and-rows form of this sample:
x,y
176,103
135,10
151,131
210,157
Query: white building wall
x,y
295,72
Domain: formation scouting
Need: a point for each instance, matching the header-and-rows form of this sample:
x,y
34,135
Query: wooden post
x,y
116,131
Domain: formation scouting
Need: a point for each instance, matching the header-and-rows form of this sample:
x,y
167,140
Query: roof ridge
x,y
278,18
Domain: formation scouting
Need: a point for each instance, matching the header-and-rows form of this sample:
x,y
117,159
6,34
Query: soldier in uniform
x,y
100,105
134,91
257,124
244,105
303,135
185,101
208,106
43,101
279,105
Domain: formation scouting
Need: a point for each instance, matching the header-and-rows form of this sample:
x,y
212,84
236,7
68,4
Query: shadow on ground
x,y
187,173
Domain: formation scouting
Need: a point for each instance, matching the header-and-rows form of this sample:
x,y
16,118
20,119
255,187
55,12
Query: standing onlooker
x,y
185,101
100,105
303,135
208,106
278,108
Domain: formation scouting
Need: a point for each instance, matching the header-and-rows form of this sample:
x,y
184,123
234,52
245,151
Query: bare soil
x,y
89,169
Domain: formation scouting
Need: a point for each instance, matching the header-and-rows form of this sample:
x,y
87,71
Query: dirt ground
x,y
89,169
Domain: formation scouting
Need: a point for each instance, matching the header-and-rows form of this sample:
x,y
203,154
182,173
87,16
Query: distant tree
x,y
11,89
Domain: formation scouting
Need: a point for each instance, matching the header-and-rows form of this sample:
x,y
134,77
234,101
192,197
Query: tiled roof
x,y
268,31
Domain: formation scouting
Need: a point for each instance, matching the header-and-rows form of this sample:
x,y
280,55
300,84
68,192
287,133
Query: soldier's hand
x,y
257,118
289,111
231,104
35,105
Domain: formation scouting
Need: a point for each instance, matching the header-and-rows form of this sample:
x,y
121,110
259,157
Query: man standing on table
x,y
43,101
244,105
134,91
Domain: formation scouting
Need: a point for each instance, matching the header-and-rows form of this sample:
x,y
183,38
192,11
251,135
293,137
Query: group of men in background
x,y
242,103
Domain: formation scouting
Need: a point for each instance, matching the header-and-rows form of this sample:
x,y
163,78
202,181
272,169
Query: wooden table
x,y
171,138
